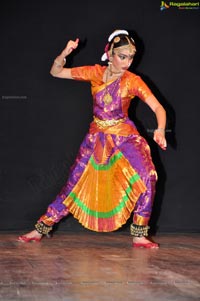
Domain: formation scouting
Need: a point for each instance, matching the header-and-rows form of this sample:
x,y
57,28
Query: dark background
x,y
43,119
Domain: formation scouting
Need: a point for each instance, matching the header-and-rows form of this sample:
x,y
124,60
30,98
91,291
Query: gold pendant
x,y
107,98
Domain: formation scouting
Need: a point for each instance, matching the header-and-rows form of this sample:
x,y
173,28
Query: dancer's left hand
x,y
159,138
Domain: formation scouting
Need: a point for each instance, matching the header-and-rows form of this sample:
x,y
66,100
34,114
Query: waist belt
x,y
108,122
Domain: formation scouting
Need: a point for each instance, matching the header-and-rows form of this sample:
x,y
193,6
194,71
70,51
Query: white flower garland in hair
x,y
116,33
104,57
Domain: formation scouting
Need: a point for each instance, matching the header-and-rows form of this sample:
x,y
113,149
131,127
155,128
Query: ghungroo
x,y
139,231
42,228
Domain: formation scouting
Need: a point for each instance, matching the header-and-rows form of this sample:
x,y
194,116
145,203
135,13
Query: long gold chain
x,y
108,98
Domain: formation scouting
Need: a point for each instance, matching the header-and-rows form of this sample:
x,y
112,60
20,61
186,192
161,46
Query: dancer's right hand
x,y
71,45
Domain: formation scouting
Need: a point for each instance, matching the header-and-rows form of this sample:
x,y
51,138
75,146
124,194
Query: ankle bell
x,y
139,231
42,228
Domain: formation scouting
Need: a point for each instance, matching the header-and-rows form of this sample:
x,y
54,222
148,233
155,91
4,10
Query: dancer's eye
x,y
122,57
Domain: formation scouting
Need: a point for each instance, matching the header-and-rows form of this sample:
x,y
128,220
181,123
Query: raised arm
x,y
159,133
57,69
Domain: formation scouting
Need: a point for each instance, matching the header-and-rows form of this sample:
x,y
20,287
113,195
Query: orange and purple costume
x,y
113,174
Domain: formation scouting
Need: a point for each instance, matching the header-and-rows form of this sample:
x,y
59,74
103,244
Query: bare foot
x,y
144,242
30,236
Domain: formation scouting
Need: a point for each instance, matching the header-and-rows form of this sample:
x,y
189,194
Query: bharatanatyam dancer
x,y
113,175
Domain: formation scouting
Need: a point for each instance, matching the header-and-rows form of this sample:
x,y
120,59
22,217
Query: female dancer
x,y
113,174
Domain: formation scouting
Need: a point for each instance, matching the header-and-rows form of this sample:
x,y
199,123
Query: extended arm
x,y
57,69
159,133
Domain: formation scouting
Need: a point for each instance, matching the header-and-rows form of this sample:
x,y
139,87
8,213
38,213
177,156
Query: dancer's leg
x,y
57,209
138,153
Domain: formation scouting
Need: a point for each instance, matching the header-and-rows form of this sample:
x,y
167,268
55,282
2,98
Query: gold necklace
x,y
113,72
107,99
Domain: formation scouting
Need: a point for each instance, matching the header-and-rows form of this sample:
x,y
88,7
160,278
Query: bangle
x,y
59,64
160,129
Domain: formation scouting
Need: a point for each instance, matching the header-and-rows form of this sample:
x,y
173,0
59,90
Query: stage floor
x,y
99,267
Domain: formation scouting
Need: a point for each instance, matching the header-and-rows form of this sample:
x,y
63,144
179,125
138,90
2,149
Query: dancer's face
x,y
122,58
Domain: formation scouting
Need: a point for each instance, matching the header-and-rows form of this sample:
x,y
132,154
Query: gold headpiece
x,y
116,40
115,36
129,46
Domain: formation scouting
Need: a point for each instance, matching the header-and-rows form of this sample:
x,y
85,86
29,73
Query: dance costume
x,y
113,174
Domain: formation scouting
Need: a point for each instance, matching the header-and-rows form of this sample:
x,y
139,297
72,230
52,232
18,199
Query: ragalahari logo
x,y
180,5
164,5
